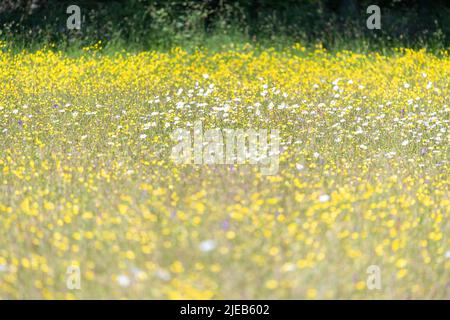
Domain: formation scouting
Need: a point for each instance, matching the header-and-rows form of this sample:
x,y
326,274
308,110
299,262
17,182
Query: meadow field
x,y
87,181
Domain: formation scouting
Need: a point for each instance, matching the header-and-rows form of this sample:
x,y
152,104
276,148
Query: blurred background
x,y
150,24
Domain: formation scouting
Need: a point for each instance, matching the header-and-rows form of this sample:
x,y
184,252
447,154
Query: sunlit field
x,y
87,179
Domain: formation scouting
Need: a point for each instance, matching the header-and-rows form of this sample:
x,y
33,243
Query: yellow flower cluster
x,y
86,177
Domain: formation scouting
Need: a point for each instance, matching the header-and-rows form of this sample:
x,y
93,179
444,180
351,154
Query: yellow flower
x,y
271,284
311,293
176,267
401,273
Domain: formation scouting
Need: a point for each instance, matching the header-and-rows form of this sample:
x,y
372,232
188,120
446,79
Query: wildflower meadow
x,y
244,170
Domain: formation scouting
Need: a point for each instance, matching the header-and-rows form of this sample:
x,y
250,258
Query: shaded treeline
x,y
150,23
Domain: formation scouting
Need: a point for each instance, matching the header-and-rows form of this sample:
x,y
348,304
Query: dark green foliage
x,y
147,24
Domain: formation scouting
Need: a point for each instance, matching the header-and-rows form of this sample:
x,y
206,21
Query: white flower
x,y
143,136
324,198
3,267
405,142
288,267
447,254
123,280
364,147
390,155
299,167
406,85
163,274
138,273
207,245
